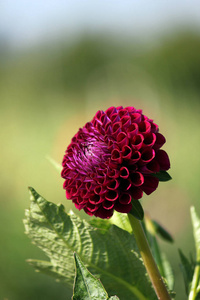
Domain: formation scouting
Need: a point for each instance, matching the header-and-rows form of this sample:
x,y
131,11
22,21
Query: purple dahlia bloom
x,y
110,161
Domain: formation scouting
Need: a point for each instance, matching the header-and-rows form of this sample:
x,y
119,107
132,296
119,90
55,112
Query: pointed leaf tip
x,y
86,286
162,176
137,210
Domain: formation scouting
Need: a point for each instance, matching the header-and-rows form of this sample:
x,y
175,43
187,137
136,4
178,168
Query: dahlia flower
x,y
112,160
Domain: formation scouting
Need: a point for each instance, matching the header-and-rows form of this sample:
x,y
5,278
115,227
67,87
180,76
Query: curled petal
x,y
111,195
144,127
126,121
132,130
113,184
137,141
122,139
147,155
125,198
126,152
116,156
124,172
149,140
137,178
95,199
108,204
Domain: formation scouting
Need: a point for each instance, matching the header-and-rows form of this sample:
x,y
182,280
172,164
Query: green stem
x,y
151,267
195,279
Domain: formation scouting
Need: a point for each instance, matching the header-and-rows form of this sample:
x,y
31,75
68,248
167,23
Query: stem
x,y
151,267
195,279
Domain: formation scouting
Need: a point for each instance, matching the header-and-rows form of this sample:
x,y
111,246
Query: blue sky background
x,y
28,22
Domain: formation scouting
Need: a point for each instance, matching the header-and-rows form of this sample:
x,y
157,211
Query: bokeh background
x,y
61,61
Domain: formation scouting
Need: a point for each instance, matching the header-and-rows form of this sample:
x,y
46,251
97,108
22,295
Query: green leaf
x,y
111,256
86,286
194,289
162,232
187,269
196,228
168,273
162,176
121,220
137,210
160,258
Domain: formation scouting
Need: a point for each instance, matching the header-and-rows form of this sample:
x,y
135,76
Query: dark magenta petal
x,y
154,127
95,199
123,112
144,127
111,195
137,178
153,166
135,157
147,155
113,173
99,190
163,160
150,184
137,141
125,198
124,172
136,117
136,192
123,208
126,122
104,213
110,111
115,118
149,140
113,184
108,204
125,184
160,141
116,156
92,207
126,152
132,130
116,129
122,139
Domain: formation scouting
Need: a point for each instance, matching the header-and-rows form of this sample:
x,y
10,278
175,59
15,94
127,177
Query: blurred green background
x,y
52,85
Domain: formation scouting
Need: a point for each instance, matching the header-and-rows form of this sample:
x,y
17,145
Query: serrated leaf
x,y
112,257
102,224
47,268
187,269
137,210
162,232
86,286
162,176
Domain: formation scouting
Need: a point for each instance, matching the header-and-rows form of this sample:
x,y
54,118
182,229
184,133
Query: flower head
x,y
111,160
